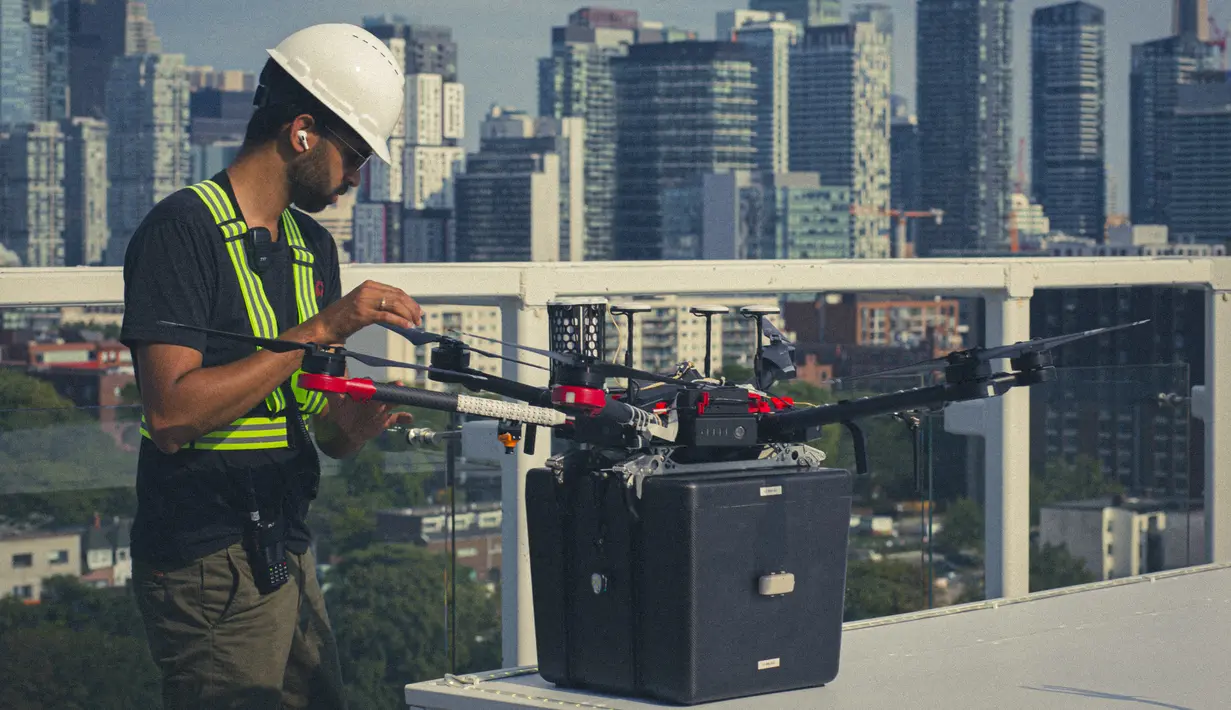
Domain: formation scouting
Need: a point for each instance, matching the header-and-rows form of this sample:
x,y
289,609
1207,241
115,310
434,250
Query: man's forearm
x,y
206,398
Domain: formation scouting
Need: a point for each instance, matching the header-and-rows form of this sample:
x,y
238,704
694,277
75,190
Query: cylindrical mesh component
x,y
578,327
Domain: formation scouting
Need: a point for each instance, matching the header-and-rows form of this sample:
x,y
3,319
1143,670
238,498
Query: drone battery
x,y
714,584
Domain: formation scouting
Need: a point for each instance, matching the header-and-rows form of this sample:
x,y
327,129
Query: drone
x,y
687,416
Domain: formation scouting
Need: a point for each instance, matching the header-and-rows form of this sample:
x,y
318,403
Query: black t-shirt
x,y
176,269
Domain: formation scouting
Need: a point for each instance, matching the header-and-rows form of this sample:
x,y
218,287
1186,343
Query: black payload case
x,y
689,583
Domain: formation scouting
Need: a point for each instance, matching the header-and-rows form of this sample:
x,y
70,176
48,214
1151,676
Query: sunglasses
x,y
356,159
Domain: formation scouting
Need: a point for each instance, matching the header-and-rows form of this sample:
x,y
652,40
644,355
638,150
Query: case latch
x,y
778,583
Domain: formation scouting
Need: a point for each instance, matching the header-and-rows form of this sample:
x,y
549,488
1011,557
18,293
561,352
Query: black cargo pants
x,y
220,643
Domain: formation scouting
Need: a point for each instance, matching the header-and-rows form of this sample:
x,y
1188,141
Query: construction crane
x,y
1218,38
898,245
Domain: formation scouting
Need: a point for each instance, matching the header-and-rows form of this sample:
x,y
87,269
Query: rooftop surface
x,y
1156,641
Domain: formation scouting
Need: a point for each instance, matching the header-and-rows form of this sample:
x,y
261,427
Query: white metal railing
x,y
522,290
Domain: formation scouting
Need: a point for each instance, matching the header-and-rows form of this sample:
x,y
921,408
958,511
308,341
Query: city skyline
x,y
498,50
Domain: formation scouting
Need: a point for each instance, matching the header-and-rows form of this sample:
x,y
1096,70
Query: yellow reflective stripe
x,y
310,401
260,313
305,296
209,203
227,210
243,433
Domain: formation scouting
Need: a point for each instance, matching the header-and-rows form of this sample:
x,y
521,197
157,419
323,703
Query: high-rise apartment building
x,y
32,192
425,49
418,183
516,133
1068,145
38,16
683,109
965,108
139,34
771,42
508,207
576,81
86,183
806,13
148,152
840,88
16,71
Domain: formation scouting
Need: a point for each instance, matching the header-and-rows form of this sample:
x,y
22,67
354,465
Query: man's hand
x,y
348,424
370,303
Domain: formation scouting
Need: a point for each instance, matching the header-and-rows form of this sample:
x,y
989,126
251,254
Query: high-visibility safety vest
x,y
268,429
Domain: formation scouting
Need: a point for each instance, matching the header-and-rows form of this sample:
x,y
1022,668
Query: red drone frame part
x,y
358,389
586,398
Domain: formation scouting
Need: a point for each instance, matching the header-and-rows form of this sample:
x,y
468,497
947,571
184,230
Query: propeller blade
x,y
607,369
502,357
997,353
278,346
1044,344
417,336
610,369
562,359
374,361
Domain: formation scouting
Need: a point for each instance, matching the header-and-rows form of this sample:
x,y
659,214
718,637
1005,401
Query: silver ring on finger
x,y
381,307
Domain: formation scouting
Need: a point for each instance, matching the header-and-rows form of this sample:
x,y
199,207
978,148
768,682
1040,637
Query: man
x,y
222,432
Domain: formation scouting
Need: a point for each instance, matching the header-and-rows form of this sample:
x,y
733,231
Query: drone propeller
x,y
418,336
1037,345
286,346
607,369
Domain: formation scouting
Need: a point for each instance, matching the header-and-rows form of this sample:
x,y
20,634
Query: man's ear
x,y
302,133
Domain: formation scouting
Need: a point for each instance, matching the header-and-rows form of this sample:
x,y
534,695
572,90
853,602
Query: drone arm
x,y
482,382
363,390
776,425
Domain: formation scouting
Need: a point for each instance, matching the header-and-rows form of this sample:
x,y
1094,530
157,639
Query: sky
x,y
499,42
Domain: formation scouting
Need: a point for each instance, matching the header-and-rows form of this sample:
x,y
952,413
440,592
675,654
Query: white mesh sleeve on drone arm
x,y
498,409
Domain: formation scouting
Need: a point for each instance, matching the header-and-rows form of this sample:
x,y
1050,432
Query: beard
x,y
308,177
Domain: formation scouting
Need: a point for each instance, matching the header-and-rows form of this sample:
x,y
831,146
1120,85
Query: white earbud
x,y
303,139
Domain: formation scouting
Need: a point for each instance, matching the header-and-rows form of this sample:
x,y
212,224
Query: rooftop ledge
x,y
1155,640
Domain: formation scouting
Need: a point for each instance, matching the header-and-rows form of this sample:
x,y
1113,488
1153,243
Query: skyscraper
x,y
140,36
86,231
840,87
413,194
148,152
770,43
32,192
97,34
16,71
1200,202
684,109
38,15
807,13
1160,67
965,111
576,81
1190,17
1067,117
427,49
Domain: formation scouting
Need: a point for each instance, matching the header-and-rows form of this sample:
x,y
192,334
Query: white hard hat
x,y
352,73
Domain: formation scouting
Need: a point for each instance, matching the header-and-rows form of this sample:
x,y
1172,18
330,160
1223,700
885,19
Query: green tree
x,y
963,528
1063,481
1053,567
388,606
56,462
875,589
79,647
